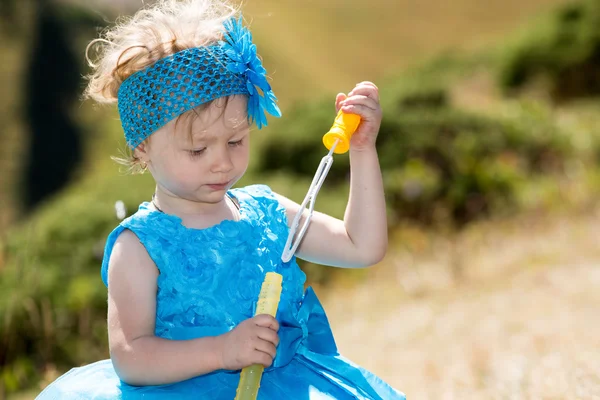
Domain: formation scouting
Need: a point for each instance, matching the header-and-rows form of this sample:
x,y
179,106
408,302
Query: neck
x,y
187,209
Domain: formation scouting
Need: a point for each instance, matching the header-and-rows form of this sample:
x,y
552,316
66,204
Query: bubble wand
x,y
337,140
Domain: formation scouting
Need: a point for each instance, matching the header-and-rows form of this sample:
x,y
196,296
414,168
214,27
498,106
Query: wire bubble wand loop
x,y
322,171
337,140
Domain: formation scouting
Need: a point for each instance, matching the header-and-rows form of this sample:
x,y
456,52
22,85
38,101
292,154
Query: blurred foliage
x,y
53,305
43,61
52,88
441,164
563,51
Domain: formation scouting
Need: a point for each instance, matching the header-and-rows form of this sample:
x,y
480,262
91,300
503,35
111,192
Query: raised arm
x,y
360,239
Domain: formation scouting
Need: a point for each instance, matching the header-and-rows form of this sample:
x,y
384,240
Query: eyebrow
x,y
201,134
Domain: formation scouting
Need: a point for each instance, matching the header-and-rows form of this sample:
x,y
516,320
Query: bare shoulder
x,y
129,261
132,287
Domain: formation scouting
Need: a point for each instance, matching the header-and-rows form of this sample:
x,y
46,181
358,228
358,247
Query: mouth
x,y
219,186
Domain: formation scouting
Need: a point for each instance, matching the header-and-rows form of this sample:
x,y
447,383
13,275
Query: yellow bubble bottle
x,y
343,128
268,301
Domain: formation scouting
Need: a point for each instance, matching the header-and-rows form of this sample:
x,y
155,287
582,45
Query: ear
x,y
141,152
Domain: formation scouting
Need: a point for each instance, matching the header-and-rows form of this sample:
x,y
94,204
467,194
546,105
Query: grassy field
x,y
521,324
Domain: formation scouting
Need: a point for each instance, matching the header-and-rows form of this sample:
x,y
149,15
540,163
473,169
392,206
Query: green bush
x,y
52,301
564,49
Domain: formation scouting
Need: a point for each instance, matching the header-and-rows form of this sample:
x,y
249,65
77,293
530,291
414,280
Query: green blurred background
x,y
490,150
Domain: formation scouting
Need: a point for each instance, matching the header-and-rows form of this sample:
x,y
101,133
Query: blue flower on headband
x,y
241,51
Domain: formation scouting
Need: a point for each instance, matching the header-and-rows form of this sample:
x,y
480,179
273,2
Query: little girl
x,y
184,272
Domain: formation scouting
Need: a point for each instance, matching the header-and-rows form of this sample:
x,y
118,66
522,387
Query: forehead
x,y
223,116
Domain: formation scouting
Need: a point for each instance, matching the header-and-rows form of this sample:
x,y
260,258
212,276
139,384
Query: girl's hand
x,y
364,101
254,341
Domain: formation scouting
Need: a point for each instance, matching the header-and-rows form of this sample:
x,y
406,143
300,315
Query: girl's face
x,y
199,158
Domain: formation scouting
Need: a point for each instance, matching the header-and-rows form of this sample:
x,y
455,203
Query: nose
x,y
222,161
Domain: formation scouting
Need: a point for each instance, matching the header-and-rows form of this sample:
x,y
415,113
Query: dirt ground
x,y
522,323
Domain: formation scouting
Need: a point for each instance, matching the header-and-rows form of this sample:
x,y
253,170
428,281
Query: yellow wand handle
x,y
268,301
343,128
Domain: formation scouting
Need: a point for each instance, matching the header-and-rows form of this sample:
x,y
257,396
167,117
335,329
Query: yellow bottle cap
x,y
343,128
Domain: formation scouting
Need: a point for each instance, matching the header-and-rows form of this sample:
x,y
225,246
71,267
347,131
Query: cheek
x,y
242,156
175,166
166,166
185,168
184,176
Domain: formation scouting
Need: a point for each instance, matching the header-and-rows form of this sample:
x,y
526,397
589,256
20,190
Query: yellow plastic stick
x,y
268,301
343,128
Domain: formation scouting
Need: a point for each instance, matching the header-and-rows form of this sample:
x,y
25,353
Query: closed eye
x,y
196,153
236,143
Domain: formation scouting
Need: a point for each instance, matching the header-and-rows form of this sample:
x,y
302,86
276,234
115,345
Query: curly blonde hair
x,y
155,32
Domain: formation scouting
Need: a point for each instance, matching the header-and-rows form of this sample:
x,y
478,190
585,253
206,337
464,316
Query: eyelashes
x,y
196,153
236,143
199,152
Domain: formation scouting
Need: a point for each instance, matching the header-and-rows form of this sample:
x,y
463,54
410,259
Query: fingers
x,y
253,341
358,97
266,347
363,100
368,83
367,89
338,101
266,344
263,358
366,107
360,100
268,335
266,321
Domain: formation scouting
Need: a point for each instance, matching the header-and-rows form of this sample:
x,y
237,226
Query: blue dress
x,y
208,283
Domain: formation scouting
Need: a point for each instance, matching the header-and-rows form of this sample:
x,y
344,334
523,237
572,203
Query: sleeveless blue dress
x,y
208,283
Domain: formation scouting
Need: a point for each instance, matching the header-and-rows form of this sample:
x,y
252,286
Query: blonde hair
x,y
135,43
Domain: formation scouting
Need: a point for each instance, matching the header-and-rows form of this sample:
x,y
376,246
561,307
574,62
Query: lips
x,y
218,186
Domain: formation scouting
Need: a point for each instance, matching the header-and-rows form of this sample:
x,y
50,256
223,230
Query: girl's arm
x,y
361,238
139,357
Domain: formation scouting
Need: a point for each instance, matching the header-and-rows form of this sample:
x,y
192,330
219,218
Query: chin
x,y
214,196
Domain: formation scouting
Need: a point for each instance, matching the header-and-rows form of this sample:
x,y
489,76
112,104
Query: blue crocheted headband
x,y
178,83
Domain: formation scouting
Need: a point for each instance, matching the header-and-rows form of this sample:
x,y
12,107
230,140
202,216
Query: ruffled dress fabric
x,y
208,283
